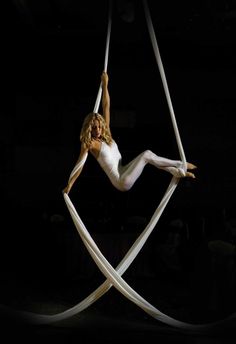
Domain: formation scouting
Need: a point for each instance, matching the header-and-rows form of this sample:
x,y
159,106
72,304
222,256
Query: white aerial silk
x,y
114,275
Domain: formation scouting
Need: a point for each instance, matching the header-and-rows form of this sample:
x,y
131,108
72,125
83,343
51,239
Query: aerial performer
x,y
96,138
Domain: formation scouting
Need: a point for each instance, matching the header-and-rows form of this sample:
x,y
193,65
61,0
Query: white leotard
x,y
123,177
109,159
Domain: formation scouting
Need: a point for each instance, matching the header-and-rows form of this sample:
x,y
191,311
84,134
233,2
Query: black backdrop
x,y
53,55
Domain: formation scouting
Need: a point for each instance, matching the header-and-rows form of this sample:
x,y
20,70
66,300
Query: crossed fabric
x,y
114,275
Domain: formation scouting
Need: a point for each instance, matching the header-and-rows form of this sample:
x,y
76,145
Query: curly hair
x,y
86,130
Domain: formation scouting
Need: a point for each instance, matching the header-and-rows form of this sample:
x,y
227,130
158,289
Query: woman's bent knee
x,y
125,184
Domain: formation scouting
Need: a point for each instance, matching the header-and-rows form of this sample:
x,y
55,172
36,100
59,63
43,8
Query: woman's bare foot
x,y
180,173
191,166
190,175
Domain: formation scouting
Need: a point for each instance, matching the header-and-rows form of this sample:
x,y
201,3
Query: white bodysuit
x,y
123,177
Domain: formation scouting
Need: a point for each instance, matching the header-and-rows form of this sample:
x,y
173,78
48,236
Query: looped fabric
x,y
114,275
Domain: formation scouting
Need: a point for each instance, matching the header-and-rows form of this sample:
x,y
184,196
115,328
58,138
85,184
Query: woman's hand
x,y
67,189
104,78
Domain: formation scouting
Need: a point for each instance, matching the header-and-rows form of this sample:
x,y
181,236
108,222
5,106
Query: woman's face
x,y
96,129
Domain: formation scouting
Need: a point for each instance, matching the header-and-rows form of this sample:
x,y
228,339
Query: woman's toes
x,y
190,175
191,166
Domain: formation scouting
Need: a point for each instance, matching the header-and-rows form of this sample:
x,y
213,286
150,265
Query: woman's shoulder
x,y
83,148
114,143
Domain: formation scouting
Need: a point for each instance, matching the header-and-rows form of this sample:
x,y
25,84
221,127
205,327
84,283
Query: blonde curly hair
x,y
86,130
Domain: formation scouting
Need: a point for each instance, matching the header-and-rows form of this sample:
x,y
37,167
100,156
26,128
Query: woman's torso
x,y
95,148
108,156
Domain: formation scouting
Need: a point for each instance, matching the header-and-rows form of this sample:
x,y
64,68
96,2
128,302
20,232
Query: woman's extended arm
x,y
105,99
77,169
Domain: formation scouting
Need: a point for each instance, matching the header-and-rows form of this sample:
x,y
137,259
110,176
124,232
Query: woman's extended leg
x,y
133,170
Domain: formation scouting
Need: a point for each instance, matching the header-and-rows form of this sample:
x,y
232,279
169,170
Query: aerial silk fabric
x,y
114,275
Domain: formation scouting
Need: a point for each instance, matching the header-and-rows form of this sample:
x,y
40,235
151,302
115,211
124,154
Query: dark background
x,y
52,59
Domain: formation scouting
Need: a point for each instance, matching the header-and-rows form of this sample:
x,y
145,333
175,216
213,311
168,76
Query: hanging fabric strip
x,y
107,49
164,81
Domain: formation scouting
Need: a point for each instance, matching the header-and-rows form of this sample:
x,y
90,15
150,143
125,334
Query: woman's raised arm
x,y
105,98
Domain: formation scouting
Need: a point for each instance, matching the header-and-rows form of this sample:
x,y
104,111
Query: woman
x,y
96,138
